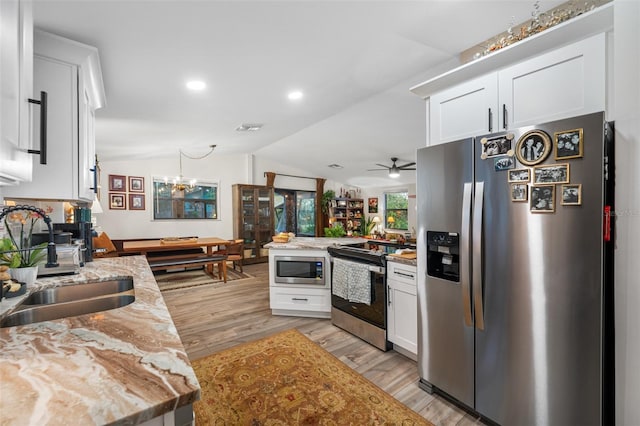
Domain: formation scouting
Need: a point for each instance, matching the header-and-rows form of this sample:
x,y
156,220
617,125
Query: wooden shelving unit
x,y
349,212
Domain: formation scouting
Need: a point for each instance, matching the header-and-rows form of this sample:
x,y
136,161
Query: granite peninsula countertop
x,y
314,243
122,367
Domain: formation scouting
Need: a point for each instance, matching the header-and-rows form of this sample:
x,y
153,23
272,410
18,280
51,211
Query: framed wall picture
x,y
499,145
136,184
117,201
373,205
117,183
136,202
572,195
543,199
519,175
519,192
552,173
568,144
533,147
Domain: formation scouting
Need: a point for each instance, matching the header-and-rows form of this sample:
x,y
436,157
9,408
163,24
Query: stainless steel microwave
x,y
300,270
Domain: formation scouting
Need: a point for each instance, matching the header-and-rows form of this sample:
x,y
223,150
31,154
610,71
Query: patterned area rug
x,y
177,280
287,379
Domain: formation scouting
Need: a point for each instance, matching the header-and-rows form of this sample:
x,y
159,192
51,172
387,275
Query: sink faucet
x,y
52,257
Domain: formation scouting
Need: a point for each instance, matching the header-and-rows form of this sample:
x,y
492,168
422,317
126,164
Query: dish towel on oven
x,y
351,281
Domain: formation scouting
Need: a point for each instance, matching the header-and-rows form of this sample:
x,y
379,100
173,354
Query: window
x,y
197,202
396,210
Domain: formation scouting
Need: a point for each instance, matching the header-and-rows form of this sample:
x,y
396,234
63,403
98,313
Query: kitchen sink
x,y
66,309
72,293
72,300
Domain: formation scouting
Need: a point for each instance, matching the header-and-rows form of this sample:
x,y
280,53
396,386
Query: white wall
x,y
124,224
626,113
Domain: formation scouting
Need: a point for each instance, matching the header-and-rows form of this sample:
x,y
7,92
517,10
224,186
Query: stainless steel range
x,y
359,293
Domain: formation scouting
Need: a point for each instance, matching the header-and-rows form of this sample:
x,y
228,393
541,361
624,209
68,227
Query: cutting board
x,y
413,255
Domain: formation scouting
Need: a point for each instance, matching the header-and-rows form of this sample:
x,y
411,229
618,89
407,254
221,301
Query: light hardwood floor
x,y
212,318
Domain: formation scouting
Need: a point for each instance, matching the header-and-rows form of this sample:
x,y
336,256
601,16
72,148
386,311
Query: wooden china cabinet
x,y
253,220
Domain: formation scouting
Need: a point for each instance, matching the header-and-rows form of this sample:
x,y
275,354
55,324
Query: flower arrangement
x,y
16,251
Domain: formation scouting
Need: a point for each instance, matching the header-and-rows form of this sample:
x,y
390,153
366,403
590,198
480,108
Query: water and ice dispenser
x,y
443,255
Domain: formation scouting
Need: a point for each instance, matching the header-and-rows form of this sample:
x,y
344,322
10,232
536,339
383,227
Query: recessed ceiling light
x,y
335,166
196,85
294,96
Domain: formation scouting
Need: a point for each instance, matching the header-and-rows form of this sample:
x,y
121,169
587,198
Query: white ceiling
x,y
354,61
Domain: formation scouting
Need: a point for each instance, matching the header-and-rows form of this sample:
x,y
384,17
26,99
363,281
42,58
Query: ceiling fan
x,y
394,170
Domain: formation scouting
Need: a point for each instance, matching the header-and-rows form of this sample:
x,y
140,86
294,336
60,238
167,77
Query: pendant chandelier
x,y
179,183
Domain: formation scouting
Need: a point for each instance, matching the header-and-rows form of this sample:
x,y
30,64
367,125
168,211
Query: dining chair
x,y
235,252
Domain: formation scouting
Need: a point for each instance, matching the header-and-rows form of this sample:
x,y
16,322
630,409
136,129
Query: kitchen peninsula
x,y
121,366
300,275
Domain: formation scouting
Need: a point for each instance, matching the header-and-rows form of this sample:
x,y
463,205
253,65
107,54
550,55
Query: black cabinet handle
x,y
43,128
490,121
94,170
300,299
504,116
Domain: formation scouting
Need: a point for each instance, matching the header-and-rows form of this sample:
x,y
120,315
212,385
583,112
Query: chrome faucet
x,y
52,257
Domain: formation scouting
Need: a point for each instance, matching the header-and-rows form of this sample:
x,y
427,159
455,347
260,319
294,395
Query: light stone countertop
x,y
412,262
314,243
123,366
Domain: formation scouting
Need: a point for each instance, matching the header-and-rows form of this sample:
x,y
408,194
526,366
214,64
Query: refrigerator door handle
x,y
477,255
464,254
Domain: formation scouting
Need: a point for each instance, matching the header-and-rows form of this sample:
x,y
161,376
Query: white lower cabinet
x,y
298,301
402,308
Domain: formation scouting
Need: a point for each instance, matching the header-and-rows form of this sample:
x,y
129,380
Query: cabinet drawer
x,y
402,273
300,299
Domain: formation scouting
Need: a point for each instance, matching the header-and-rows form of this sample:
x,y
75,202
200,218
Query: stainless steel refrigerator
x,y
515,288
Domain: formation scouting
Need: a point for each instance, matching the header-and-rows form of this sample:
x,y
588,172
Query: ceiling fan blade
x,y
370,170
406,165
382,165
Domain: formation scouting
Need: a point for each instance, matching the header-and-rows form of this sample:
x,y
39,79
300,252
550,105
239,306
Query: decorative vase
x,y
26,275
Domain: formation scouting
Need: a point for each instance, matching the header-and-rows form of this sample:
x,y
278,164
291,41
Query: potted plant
x,y
366,226
327,197
17,252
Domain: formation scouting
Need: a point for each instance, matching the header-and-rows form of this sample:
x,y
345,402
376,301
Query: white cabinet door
x,y
566,82
87,142
402,306
468,109
16,87
59,177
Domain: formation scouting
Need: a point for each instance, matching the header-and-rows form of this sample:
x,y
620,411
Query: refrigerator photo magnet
x,y
498,145
533,147
519,192
542,199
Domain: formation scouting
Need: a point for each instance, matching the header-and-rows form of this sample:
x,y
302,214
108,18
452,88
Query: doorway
x,y
295,211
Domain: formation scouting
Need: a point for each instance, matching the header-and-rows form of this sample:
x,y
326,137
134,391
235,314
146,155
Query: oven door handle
x,y
376,269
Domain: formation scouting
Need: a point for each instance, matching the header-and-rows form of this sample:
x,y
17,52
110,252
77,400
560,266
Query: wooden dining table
x,y
144,247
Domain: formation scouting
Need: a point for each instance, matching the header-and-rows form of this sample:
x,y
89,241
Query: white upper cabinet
x,y
566,82
467,109
555,74
69,72
16,85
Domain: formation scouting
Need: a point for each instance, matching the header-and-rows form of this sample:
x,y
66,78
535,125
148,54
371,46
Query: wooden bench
x,y
159,263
